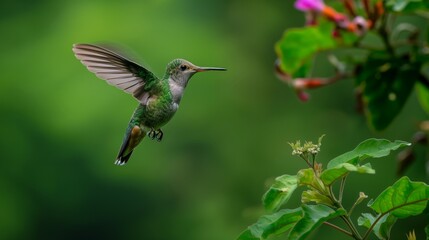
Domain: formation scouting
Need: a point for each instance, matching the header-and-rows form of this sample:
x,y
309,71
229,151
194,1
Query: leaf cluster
x,y
319,203
387,59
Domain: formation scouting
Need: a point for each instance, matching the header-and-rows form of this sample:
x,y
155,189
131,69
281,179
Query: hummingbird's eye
x,y
183,67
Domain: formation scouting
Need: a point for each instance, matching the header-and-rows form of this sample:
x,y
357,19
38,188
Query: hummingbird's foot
x,y
151,134
159,134
156,134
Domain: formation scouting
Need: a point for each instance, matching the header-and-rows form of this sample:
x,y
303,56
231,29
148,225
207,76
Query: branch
x,y
390,210
349,223
342,184
338,228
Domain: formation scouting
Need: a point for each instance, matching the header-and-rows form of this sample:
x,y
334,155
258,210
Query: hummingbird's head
x,y
181,70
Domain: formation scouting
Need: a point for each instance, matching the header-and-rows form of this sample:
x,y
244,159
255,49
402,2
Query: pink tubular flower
x,y
308,83
303,96
309,5
302,84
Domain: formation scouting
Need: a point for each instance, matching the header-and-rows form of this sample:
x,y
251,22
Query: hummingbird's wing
x,y
116,70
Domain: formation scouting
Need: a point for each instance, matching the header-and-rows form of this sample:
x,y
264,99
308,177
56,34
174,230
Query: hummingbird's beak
x,y
203,69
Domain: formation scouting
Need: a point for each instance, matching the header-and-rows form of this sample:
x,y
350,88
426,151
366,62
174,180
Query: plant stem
x,y
352,208
333,198
338,228
372,226
313,158
349,223
391,210
346,218
342,184
306,160
367,8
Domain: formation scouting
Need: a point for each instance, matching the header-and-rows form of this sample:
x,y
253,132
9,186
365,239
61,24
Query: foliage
x,y
62,127
385,69
320,204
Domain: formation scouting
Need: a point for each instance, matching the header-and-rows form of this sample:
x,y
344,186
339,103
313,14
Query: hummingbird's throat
x,y
176,90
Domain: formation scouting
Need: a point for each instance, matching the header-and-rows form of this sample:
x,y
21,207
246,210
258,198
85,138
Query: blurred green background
x,y
61,127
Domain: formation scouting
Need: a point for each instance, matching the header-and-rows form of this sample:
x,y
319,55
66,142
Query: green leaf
x,y
318,191
247,235
314,216
280,192
403,199
298,45
374,148
315,196
386,83
406,5
423,96
382,228
268,225
303,70
329,176
366,220
307,178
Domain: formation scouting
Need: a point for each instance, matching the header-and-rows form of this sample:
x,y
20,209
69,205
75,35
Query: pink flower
x,y
307,83
303,96
309,5
302,84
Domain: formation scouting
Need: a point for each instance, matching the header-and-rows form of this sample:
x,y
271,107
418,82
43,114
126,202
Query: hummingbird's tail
x,y
133,136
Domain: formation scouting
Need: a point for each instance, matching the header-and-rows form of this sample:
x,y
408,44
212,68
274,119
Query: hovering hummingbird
x,y
158,98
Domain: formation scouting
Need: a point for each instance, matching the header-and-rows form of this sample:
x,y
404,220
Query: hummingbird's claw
x,y
159,135
156,134
151,134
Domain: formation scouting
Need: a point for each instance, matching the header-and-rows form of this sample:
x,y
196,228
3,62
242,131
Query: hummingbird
x,y
158,98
